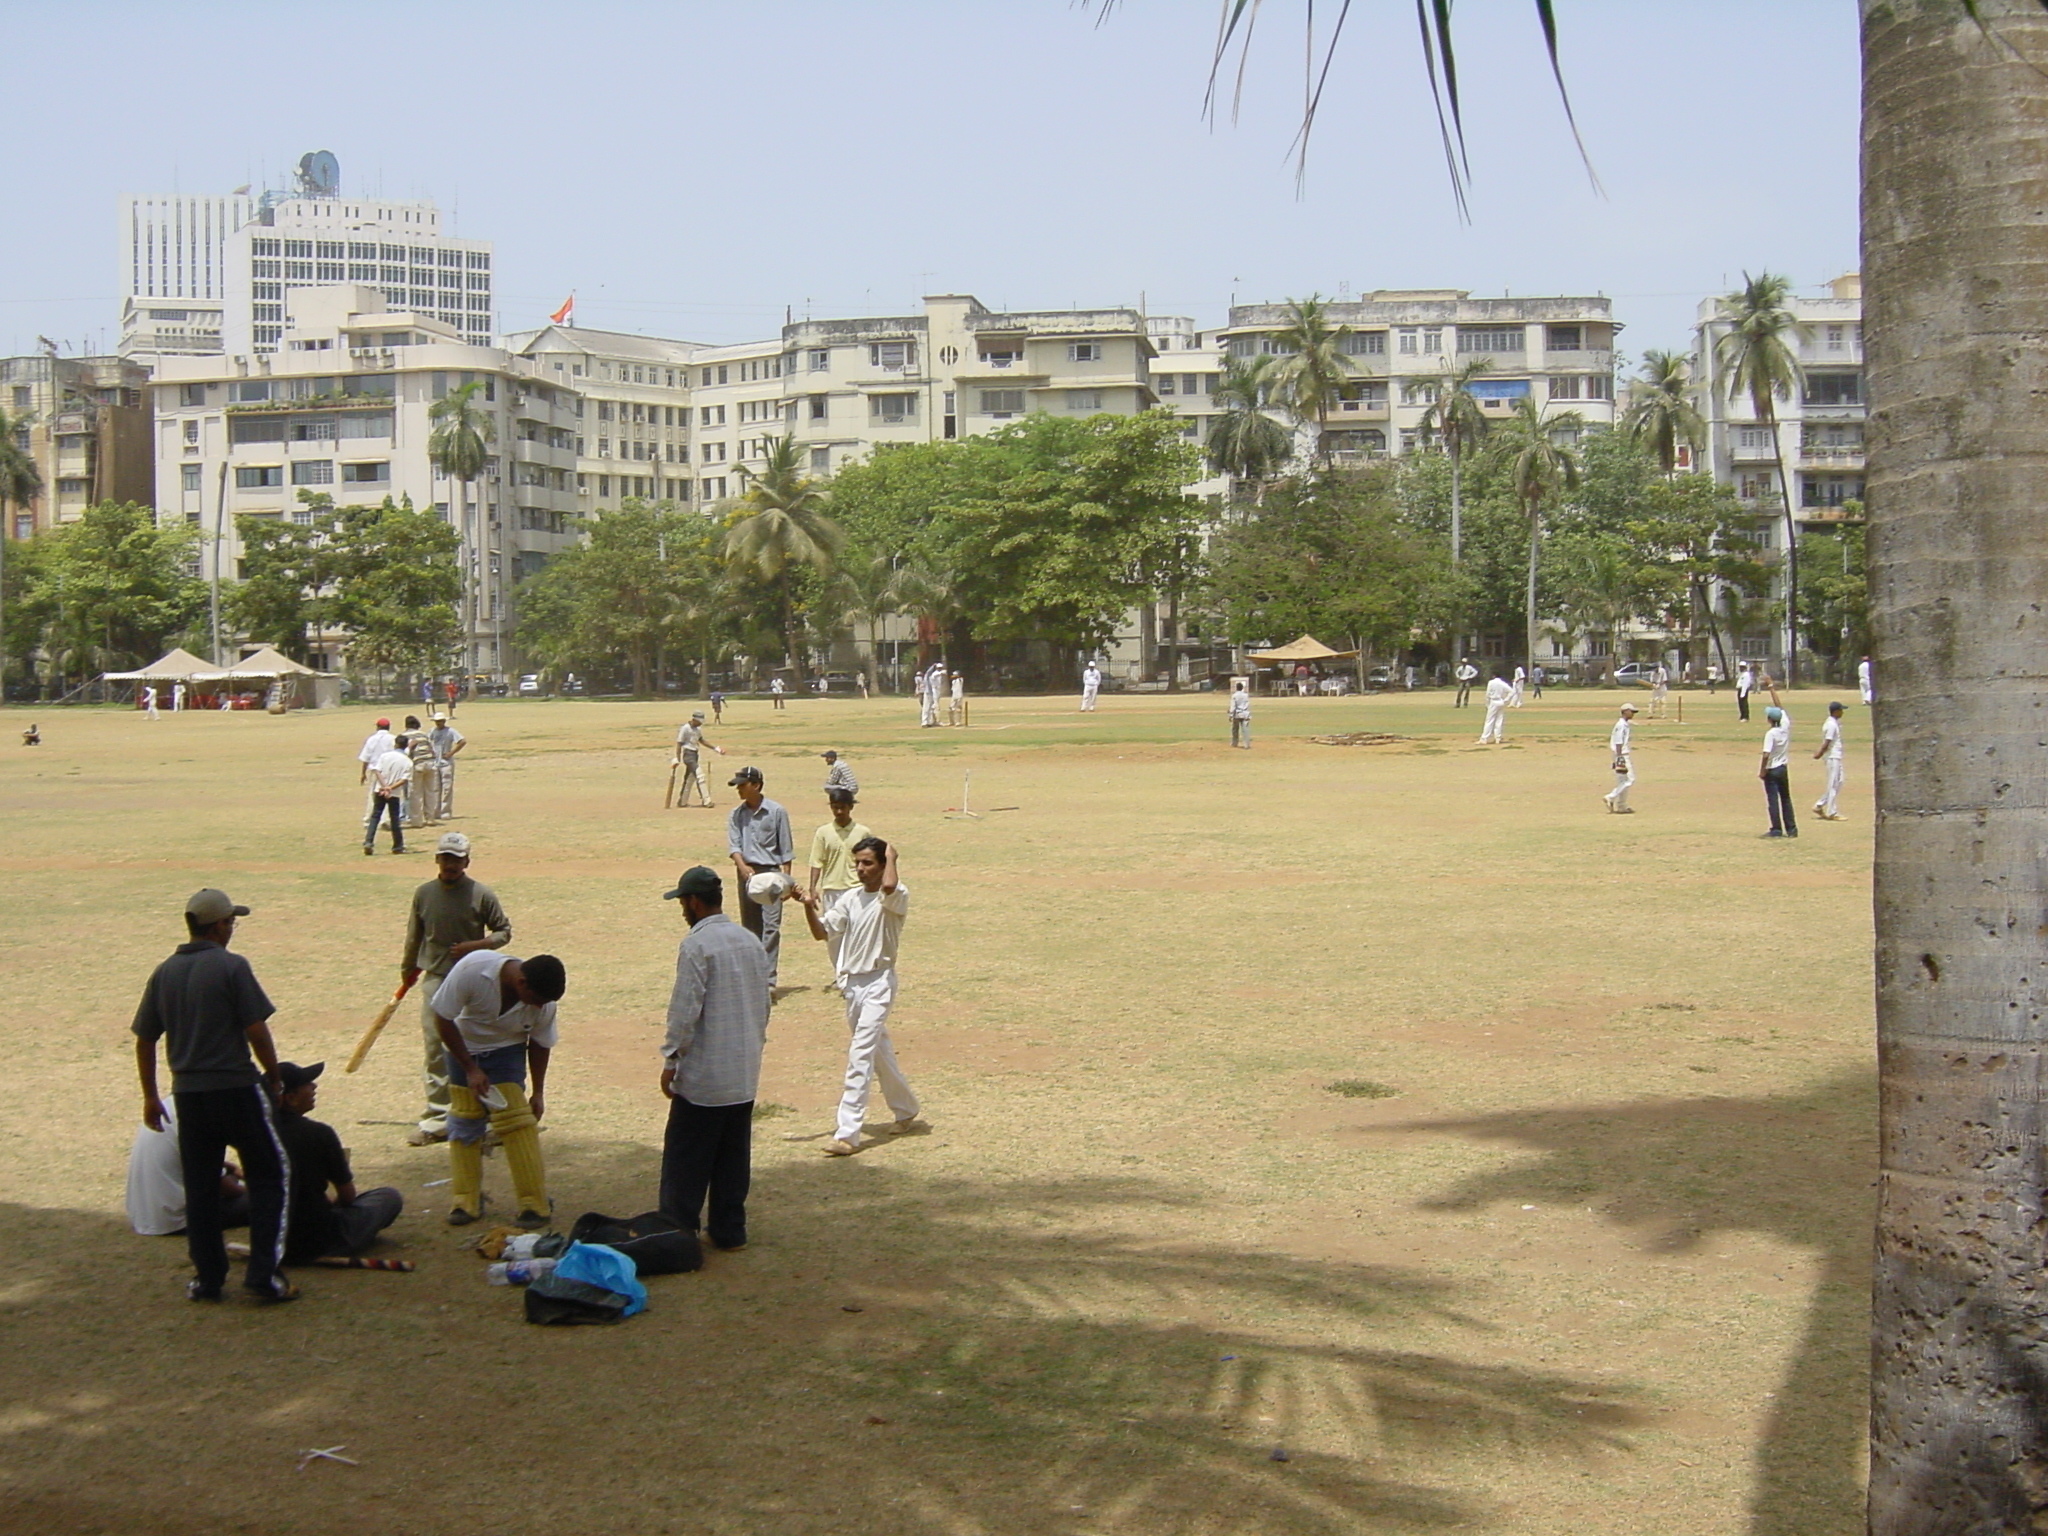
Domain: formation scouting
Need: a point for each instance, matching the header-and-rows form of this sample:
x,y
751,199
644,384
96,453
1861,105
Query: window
x,y
1084,399
711,453
721,376
253,477
1164,383
1831,492
1566,338
192,434
1568,387
892,409
313,472
1191,384
1491,340
1753,437
604,485
821,461
188,394
1599,387
374,473
713,487
243,430
1408,341
1432,341
365,424
1084,351
1002,358
1002,402
893,354
1365,343
243,390
188,477
710,415
820,407
604,447
1834,389
313,429
1837,338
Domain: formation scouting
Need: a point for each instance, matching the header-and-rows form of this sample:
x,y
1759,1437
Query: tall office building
x,y
205,275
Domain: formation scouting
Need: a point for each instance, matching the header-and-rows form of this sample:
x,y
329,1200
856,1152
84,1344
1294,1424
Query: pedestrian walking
x,y
1745,684
454,692
447,742
717,707
1515,699
1240,715
758,840
711,1065
1624,762
690,740
1499,694
1866,683
149,700
390,776
1465,675
205,1003
868,918
1827,806
1537,677
496,1015
1775,773
451,916
1091,685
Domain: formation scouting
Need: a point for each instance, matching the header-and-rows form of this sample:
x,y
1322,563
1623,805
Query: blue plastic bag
x,y
595,1264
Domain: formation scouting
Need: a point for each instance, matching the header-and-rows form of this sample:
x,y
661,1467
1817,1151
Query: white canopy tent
x,y
295,683
176,666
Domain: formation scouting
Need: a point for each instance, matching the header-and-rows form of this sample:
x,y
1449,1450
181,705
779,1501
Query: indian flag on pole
x,y
567,313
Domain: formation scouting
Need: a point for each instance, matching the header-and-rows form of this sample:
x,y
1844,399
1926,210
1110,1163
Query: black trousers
x,y
356,1224
379,804
209,1123
1742,706
708,1148
1778,797
1464,696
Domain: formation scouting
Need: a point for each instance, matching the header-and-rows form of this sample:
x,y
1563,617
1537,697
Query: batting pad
x,y
519,1133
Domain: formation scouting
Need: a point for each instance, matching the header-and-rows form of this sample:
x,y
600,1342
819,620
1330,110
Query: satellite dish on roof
x,y
319,174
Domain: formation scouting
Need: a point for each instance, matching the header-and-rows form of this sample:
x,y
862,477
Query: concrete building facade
x,y
84,422
341,408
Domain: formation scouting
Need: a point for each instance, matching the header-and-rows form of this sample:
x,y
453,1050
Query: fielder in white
x,y
1624,762
1865,683
868,920
1498,695
1091,684
1831,749
1515,693
149,700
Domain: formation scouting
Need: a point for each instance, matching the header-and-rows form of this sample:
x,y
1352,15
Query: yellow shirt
x,y
832,854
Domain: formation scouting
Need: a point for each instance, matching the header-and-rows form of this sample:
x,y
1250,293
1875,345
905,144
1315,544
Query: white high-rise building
x,y
206,274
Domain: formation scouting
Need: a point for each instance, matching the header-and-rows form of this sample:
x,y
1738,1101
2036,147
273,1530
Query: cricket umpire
x,y
204,1001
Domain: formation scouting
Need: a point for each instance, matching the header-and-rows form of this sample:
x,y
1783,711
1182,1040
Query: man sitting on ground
x,y
348,1223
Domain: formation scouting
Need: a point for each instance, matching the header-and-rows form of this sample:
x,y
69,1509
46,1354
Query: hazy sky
x,y
691,169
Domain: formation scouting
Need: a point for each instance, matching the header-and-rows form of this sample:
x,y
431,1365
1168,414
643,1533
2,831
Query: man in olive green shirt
x,y
832,858
452,916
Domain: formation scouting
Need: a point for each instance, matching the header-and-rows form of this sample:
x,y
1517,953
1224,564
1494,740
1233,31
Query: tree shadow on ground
x,y
943,1356
1799,1169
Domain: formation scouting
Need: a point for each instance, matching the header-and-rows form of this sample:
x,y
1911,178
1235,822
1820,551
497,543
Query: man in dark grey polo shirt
x,y
207,1001
757,836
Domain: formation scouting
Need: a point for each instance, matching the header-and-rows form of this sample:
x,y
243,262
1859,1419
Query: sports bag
x,y
655,1244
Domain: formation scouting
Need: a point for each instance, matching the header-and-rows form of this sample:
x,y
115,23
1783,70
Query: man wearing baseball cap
x,y
711,1064
318,1227
838,773
1624,763
452,916
689,738
758,839
204,1001
375,745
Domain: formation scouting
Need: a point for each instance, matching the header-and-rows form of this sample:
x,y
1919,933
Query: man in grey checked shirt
x,y
757,836
711,1064
838,773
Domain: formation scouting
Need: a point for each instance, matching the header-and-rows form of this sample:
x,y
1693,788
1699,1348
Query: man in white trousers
x,y
1831,749
1624,762
1865,683
1498,694
149,700
1091,684
1515,693
868,921
177,698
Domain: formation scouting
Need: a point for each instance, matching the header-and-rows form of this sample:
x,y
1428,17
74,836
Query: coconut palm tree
x,y
459,445
1540,467
1456,417
1757,360
867,591
1312,366
1244,442
20,483
1662,415
931,594
779,527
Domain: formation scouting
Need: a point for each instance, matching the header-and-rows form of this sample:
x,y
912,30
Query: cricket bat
x,y
377,1027
669,796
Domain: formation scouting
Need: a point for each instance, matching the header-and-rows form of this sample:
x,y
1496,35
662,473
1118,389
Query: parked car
x,y
1635,674
529,684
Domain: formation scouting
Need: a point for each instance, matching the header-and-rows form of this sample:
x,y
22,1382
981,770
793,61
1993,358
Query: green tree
x,y
779,526
396,582
1662,416
20,483
286,568
1312,368
1246,443
459,446
1456,419
1540,469
1598,586
1702,536
1757,359
1837,612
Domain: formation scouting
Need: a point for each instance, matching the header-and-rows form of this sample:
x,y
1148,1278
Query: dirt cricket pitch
x,y
1596,1264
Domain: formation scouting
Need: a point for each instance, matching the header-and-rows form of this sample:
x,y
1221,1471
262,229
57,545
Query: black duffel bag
x,y
553,1300
655,1243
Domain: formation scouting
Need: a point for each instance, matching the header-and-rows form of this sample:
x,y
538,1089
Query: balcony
x,y
1844,458
1752,453
1359,410
1590,360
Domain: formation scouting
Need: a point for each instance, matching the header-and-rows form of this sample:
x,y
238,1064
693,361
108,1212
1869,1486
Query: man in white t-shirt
x,y
1498,696
496,1015
1515,693
1091,684
156,1184
1831,749
375,745
390,778
1745,681
1624,762
1776,775
1866,684
1466,675
1660,686
867,920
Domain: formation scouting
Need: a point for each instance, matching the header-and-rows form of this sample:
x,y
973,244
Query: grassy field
x,y
1326,1139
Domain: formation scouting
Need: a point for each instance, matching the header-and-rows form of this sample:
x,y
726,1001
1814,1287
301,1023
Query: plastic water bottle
x,y
519,1271
520,1247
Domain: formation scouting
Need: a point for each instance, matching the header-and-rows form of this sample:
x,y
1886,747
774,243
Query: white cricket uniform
x,y
1499,693
869,928
1624,765
1865,684
1515,693
149,701
1831,739
1091,684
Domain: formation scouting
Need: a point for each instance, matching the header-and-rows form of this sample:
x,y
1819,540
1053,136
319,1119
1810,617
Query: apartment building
x,y
1821,430
84,422
1401,342
634,438
170,327
341,407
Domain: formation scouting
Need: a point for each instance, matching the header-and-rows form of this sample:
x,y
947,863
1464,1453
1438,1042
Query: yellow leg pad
x,y
519,1133
465,1158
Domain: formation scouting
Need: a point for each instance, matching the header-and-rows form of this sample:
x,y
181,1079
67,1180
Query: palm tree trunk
x,y
1457,502
1791,554
1955,171
1529,611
